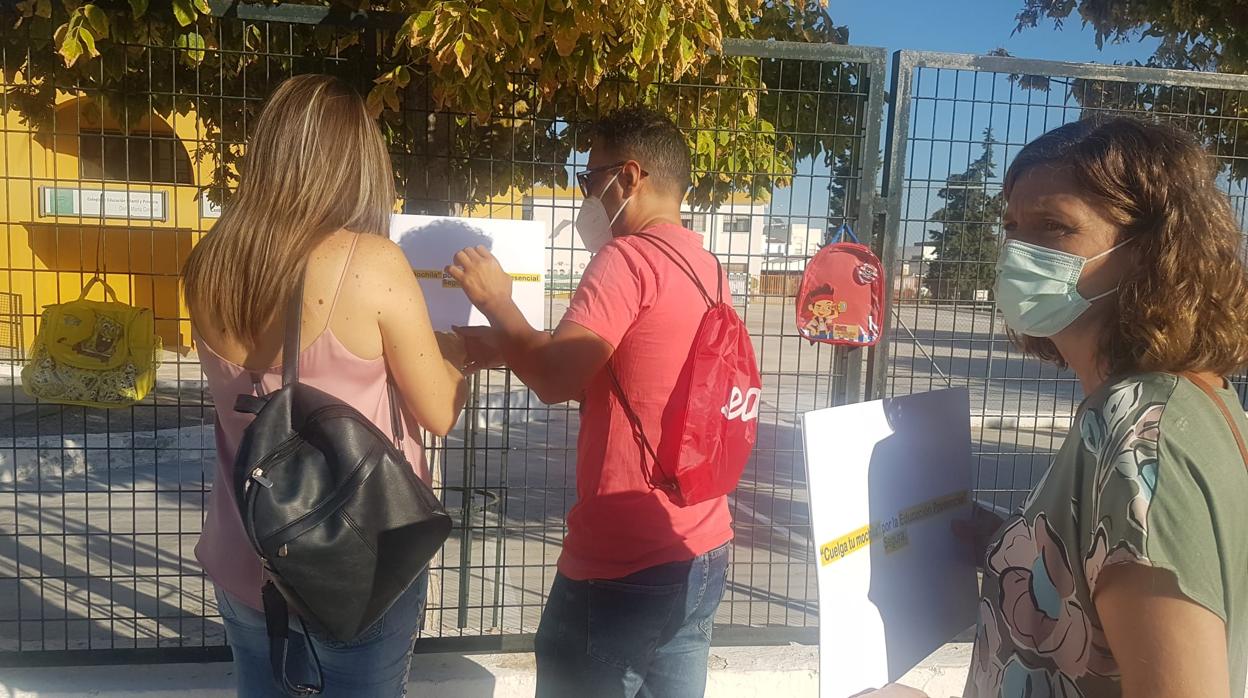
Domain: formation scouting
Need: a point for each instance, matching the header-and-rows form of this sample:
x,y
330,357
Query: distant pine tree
x,y
967,241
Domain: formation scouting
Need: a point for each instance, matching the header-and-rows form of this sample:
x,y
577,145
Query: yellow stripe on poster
x,y
836,549
448,282
893,530
932,507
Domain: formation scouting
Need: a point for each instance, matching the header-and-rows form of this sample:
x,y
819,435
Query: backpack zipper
x,y
293,530
290,444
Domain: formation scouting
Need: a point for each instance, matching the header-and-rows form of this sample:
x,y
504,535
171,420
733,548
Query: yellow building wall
x,y
46,259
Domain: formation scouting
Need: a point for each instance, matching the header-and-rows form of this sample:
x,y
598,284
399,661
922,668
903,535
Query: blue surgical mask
x,y
1037,288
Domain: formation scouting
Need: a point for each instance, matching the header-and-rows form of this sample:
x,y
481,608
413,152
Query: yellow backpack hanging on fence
x,y
93,353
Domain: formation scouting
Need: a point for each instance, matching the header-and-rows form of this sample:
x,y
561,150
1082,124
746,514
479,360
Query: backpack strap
x,y
664,246
290,357
290,345
396,416
646,449
109,293
669,250
1226,413
843,231
277,627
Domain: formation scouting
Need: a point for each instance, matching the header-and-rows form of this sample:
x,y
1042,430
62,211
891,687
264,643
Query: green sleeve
x,y
1149,502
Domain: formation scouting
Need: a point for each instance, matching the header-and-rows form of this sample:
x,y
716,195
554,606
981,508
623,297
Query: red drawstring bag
x,y
711,422
841,299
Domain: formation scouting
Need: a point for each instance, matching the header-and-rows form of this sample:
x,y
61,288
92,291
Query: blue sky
x,y
968,26
973,26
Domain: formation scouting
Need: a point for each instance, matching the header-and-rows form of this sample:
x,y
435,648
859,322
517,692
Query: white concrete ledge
x,y
735,672
1026,422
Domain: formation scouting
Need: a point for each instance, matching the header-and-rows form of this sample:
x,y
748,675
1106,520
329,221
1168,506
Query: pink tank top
x,y
223,550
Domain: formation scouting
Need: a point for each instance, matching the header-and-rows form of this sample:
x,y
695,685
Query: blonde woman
x,y
1123,575
316,195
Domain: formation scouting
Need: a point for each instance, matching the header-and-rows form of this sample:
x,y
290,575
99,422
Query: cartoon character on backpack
x,y
841,299
823,308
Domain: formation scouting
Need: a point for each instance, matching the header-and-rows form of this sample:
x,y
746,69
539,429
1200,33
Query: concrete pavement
x,y
733,672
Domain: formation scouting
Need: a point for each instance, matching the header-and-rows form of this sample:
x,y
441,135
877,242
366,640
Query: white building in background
x,y
790,245
911,268
734,231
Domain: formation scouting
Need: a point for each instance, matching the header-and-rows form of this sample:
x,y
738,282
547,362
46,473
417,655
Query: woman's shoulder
x,y
378,284
1125,408
375,262
376,253
1154,385
1122,395
1163,409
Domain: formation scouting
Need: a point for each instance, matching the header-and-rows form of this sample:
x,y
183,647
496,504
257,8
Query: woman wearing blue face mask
x,y
1126,571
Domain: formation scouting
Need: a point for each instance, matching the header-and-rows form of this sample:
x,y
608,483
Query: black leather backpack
x,y
332,507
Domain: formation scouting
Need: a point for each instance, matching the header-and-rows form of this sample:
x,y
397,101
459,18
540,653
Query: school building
x,y
88,195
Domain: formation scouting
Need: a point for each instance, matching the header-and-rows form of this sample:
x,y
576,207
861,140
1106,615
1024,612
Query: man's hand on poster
x,y
488,286
483,279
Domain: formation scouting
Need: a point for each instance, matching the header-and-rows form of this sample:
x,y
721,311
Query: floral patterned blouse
x,y
1149,474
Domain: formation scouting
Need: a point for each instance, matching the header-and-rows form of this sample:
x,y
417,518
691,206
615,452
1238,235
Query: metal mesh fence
x,y
100,510
957,123
12,344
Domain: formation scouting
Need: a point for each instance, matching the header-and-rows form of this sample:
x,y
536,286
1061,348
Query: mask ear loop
x,y
1113,290
1106,294
622,206
617,213
1120,245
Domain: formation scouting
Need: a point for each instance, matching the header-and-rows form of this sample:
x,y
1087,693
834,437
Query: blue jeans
x,y
374,665
647,634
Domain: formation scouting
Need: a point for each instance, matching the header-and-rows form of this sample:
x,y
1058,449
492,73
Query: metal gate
x,y
100,510
955,123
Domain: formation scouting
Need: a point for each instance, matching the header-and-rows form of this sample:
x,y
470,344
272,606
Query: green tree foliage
x,y
476,98
1206,35
1193,34
966,242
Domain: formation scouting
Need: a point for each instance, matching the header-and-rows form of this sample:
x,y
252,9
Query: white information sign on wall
x,y
103,203
207,209
430,244
886,479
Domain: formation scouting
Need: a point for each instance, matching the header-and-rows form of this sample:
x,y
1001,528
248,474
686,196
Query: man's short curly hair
x,y
653,140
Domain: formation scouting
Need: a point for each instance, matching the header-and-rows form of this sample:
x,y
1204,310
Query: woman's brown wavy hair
x,y
1186,307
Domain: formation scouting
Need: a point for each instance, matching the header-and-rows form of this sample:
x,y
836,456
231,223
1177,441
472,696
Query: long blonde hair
x,y
316,163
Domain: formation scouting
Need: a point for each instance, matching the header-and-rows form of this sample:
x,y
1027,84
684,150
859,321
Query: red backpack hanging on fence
x,y
841,299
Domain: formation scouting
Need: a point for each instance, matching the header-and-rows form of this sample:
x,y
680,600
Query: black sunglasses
x,y
584,177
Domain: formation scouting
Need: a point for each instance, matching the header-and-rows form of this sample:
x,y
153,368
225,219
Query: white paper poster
x,y
886,478
430,243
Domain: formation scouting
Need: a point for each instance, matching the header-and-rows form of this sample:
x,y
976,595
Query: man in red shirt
x,y
640,578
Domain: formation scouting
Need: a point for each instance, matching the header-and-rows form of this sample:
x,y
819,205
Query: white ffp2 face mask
x,y
593,223
1037,287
